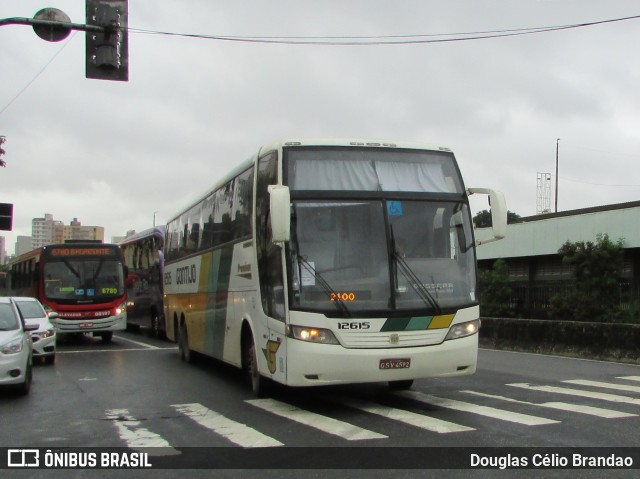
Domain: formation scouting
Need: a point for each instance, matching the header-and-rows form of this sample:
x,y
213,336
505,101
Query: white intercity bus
x,y
330,262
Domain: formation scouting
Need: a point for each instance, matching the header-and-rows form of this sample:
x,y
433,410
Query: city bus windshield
x,y
83,280
381,257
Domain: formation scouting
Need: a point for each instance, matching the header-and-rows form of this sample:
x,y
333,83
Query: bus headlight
x,y
121,309
314,335
463,330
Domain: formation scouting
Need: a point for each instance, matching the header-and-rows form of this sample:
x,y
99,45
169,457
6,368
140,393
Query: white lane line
x,y
139,343
487,411
407,417
323,423
155,348
629,378
236,432
137,437
598,384
563,406
580,393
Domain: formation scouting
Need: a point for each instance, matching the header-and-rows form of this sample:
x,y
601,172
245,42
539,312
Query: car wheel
x,y
25,387
50,359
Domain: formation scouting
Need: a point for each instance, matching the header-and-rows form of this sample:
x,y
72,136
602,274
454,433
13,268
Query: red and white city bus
x,y
83,282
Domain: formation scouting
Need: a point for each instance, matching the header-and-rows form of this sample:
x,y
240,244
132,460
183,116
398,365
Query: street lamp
x,y
154,218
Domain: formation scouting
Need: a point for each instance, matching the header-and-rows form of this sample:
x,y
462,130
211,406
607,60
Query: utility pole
x,y
557,143
107,56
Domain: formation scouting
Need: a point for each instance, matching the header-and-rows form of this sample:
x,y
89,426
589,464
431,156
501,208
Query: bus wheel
x,y
401,385
155,325
183,344
106,337
258,383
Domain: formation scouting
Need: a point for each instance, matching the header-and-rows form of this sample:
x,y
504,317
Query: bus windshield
x,y
381,256
85,279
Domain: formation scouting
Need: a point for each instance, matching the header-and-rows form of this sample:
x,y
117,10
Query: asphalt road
x,y
137,393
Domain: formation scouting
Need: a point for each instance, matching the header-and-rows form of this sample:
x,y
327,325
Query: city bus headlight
x,y
121,309
463,329
314,335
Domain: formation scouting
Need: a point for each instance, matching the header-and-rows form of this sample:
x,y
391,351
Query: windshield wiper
x,y
414,280
325,286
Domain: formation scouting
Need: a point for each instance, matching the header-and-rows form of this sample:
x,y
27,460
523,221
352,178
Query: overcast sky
x,y
113,154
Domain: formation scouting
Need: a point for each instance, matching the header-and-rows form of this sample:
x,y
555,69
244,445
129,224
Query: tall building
x,y
45,231
24,244
42,230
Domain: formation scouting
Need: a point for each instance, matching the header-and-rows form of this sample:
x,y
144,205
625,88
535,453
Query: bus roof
x,y
311,142
158,231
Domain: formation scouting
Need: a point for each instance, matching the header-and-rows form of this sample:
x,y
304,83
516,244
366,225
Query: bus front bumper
x,y
319,364
110,323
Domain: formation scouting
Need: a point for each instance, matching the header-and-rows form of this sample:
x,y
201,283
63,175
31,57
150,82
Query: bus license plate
x,y
85,325
395,363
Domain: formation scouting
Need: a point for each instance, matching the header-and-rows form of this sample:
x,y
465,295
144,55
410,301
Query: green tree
x,y
597,269
495,291
483,218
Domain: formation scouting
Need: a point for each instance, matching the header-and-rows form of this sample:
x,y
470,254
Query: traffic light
x,y
107,52
6,216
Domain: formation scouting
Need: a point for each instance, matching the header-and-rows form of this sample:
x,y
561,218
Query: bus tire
x,y
401,385
258,382
106,337
155,325
183,344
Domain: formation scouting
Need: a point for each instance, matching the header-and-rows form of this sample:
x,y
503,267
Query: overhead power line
x,y
385,39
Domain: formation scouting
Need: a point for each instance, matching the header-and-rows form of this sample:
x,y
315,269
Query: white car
x,y
16,348
43,338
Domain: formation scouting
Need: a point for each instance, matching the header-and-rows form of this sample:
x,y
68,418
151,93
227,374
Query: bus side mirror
x,y
498,213
280,208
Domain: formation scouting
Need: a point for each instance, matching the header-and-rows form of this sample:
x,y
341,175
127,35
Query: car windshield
x,y
30,309
8,319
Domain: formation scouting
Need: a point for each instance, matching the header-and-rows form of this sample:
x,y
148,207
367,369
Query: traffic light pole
x,y
107,55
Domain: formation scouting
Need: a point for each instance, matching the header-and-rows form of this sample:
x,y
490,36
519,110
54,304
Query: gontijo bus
x,y
83,282
326,262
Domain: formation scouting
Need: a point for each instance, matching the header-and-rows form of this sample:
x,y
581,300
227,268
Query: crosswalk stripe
x,y
579,392
563,406
617,387
629,378
326,424
476,409
131,431
236,432
407,417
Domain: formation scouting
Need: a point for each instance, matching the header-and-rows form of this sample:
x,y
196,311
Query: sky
x,y
123,154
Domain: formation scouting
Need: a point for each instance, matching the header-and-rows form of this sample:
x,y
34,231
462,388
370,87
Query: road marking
x,y
617,387
407,417
139,343
629,378
113,350
487,411
579,392
236,432
590,410
138,437
326,424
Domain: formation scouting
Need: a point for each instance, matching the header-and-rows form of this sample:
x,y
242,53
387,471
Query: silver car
x,y
43,338
16,348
